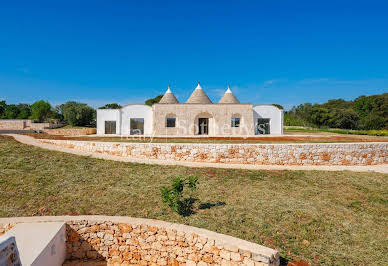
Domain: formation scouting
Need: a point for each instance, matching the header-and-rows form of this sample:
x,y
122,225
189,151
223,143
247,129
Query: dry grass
x,y
322,217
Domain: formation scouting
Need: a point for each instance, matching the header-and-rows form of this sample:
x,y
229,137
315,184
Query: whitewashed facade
x,y
198,116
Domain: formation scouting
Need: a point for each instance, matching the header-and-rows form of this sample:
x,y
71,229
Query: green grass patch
x,y
322,217
382,132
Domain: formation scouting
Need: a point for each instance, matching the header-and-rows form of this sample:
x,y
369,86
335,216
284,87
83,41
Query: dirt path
x,y
355,168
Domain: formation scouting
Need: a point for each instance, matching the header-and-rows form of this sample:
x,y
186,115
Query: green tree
x,y
111,106
3,105
24,111
77,114
343,118
372,110
365,112
278,106
319,116
11,111
151,101
41,111
374,122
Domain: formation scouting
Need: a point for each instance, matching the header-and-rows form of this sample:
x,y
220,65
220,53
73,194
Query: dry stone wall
x,y
266,154
132,241
25,124
71,131
12,124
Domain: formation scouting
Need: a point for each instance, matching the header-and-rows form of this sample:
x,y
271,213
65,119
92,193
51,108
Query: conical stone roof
x,y
229,97
169,97
199,96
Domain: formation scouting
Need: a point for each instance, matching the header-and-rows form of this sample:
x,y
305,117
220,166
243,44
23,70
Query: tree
x,y
346,119
41,111
374,122
365,112
3,105
11,111
24,111
319,115
278,106
77,114
111,106
151,101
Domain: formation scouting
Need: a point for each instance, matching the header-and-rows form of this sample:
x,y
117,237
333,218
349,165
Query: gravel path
x,y
356,168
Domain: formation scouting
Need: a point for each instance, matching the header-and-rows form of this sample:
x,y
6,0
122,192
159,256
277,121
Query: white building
x,y
198,116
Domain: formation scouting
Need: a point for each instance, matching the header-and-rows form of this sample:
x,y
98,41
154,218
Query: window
x,y
170,122
203,126
137,126
263,126
235,122
110,127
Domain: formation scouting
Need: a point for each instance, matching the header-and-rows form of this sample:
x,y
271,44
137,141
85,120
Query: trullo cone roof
x,y
199,96
168,97
228,97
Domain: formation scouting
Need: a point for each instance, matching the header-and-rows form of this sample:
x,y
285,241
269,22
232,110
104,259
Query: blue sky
x,y
285,52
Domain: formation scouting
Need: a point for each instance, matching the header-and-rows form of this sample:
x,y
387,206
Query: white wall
x,y
273,113
39,243
136,111
107,115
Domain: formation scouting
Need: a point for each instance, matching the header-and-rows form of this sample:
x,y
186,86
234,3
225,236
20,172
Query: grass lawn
x,y
298,130
322,217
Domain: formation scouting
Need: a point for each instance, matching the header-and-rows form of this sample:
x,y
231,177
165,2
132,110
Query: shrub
x,y
174,196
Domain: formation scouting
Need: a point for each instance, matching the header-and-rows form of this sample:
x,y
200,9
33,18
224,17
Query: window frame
x,y
167,123
267,126
110,127
234,124
133,123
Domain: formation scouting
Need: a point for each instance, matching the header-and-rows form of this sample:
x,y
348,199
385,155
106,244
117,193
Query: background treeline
x,y
71,113
365,112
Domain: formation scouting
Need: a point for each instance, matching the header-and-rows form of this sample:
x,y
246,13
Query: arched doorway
x,y
203,124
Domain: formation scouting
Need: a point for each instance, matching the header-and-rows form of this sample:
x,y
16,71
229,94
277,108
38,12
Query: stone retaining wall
x,y
267,154
25,124
71,131
128,241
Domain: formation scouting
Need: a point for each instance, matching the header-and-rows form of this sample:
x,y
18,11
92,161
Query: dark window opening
x,y
170,122
235,122
203,124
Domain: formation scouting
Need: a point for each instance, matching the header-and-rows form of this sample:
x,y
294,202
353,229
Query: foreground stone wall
x,y
71,131
128,241
267,154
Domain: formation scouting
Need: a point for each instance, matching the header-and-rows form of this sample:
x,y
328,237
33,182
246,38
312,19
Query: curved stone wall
x,y
265,154
124,240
